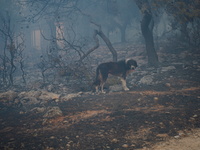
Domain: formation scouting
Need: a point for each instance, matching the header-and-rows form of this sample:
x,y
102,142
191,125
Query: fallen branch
x,y
105,39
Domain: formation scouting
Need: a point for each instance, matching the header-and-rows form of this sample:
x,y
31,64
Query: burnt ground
x,y
119,120
136,119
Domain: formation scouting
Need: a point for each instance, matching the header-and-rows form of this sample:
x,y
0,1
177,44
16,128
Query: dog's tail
x,y
97,78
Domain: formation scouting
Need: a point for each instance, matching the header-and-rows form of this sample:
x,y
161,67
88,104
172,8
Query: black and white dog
x,y
121,69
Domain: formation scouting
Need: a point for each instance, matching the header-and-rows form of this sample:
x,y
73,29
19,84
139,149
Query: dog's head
x,y
131,64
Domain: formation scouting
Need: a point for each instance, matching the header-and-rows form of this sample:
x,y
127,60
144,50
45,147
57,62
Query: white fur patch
x,y
124,84
126,60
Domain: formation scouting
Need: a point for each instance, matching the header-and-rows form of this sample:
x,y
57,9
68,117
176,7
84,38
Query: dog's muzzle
x,y
132,67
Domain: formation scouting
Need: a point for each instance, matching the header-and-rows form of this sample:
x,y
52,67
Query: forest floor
x,y
160,116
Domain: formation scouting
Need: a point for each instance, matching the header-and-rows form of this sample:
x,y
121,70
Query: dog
x,y
121,69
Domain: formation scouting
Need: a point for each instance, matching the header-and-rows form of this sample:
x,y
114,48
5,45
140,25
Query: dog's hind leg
x,y
124,84
104,75
102,85
98,80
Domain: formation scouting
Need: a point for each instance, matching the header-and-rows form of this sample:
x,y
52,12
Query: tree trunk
x,y
123,33
54,44
147,32
122,28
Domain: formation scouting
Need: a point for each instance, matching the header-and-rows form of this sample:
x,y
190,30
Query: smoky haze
x,y
55,56
45,41
53,35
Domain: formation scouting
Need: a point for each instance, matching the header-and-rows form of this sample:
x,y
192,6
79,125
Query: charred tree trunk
x,y
147,32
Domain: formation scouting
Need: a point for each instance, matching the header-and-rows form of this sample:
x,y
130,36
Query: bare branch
x,y
93,48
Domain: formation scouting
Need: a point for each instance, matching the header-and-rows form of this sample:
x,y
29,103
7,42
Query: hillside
x,y
160,112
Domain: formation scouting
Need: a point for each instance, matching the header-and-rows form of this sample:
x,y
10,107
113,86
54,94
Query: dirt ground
x,y
190,142
164,115
137,119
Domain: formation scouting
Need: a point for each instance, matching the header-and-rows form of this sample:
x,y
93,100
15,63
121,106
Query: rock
x,y
183,55
8,96
177,136
115,88
155,98
148,79
29,100
48,96
70,96
52,137
53,112
34,94
39,109
169,68
125,146
49,148
167,84
29,103
164,135
195,62
42,95
195,116
114,140
143,73
50,88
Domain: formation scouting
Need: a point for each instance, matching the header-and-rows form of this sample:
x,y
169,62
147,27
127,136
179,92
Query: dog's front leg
x,y
96,89
124,84
102,85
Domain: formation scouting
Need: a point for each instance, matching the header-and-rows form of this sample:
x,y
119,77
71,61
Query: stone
x,y
148,79
39,109
32,93
48,96
70,96
115,88
29,103
169,68
8,96
53,112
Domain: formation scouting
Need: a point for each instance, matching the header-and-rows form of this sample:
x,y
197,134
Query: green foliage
x,y
182,10
185,16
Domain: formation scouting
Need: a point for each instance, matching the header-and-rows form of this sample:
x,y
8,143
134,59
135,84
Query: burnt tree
x,y
147,32
147,26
